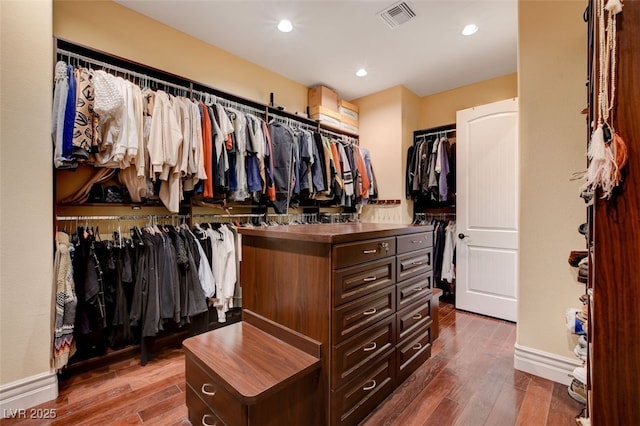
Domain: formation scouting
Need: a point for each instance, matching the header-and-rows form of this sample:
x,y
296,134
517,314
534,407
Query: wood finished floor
x,y
469,380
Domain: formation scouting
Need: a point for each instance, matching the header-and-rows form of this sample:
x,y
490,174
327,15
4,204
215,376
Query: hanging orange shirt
x,y
207,150
363,178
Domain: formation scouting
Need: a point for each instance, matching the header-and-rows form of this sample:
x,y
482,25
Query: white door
x,y
487,209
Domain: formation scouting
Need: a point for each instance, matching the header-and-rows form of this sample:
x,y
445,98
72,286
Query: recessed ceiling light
x,y
361,72
470,29
285,26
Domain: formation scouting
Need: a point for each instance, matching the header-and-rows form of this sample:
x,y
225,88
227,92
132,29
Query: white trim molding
x,y
28,392
545,364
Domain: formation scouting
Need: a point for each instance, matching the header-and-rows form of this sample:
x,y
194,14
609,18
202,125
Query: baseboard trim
x,y
544,364
28,392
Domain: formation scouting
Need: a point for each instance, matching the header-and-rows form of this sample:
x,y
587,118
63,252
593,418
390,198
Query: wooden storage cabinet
x,y
362,290
413,351
355,281
614,243
358,352
354,401
254,372
414,272
214,402
357,315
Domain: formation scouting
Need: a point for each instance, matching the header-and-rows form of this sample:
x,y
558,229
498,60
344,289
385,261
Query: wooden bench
x,y
253,372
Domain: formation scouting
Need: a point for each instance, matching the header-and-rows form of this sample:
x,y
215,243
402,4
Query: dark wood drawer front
x,y
412,264
221,402
359,351
200,413
413,317
363,251
355,316
358,398
413,242
412,353
413,289
351,283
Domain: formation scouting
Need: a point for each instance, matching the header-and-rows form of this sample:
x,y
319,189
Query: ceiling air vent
x,y
396,14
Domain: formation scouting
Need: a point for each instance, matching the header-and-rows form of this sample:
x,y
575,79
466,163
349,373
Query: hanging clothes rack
x,y
292,121
188,87
121,217
143,78
433,131
211,98
343,137
427,216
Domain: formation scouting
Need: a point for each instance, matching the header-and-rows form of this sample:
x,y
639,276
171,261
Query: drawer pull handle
x,y
370,311
205,391
369,279
417,316
204,420
417,263
370,347
418,289
417,241
369,251
417,347
368,388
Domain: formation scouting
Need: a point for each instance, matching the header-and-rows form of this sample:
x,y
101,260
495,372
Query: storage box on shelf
x,y
333,119
322,96
347,109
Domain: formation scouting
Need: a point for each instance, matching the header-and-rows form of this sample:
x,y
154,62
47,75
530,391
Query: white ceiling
x,y
332,39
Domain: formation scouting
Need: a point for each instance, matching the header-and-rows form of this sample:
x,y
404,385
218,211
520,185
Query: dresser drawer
x,y
413,352
413,242
353,317
200,413
408,291
413,317
220,402
363,251
355,281
350,357
414,263
359,397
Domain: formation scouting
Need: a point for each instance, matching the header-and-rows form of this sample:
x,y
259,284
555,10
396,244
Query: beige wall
x,y
411,113
25,185
551,87
387,121
440,109
381,128
154,44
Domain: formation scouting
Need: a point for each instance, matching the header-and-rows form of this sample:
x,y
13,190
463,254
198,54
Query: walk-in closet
x,y
269,213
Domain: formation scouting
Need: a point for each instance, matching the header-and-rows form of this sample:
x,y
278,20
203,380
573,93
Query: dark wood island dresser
x,y
362,290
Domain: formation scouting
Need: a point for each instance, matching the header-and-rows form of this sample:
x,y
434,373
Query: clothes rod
x,y
292,121
424,135
125,71
210,97
239,215
128,217
339,135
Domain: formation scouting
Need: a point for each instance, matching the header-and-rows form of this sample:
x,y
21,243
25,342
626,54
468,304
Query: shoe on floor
x,y
578,391
581,352
580,374
582,341
576,256
574,324
583,228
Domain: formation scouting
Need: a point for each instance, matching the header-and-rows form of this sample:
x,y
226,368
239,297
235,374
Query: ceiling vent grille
x,y
396,14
